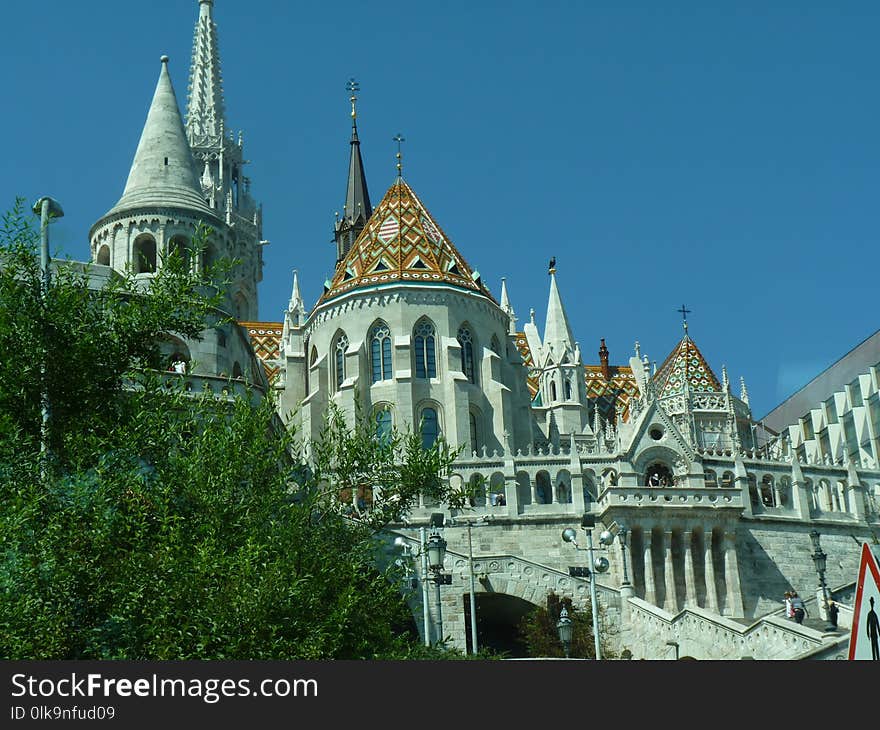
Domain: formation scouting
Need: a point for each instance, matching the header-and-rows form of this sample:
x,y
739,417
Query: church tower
x,y
219,157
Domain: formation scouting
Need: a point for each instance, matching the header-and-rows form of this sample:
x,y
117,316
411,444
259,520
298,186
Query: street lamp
x,y
46,208
621,537
600,565
820,560
435,549
408,552
564,627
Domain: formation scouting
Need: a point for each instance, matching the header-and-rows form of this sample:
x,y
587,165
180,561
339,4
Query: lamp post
x,y
564,627
481,522
435,548
403,544
621,536
46,208
820,560
588,522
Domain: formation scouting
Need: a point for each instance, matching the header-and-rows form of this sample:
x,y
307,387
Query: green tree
x,y
175,525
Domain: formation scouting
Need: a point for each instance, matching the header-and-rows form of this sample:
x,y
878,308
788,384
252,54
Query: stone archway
x,y
498,619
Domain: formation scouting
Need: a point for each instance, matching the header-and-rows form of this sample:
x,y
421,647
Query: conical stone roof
x,y
402,243
163,172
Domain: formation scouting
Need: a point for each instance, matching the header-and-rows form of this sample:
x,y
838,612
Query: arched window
x,y
767,497
430,427
314,356
727,479
568,389
710,479
179,246
144,254
384,423
236,369
658,475
543,494
495,345
552,390
339,347
475,432
426,354
380,351
466,340
104,255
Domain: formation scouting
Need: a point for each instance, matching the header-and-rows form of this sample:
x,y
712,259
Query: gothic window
x,y
384,423
339,347
496,347
425,351
475,432
430,427
767,498
380,351
466,340
553,390
236,370
784,489
568,389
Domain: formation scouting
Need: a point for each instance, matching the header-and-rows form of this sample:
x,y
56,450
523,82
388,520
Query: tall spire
x,y
357,198
296,308
163,172
205,110
507,307
557,332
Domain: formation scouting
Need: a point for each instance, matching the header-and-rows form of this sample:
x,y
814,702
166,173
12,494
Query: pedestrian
x,y
832,613
800,609
789,611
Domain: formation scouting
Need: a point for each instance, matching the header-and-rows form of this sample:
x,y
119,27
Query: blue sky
x,y
721,155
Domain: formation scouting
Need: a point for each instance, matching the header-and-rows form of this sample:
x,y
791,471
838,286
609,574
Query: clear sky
x,y
723,155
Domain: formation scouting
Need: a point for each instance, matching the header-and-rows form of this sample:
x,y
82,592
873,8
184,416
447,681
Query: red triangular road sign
x,y
864,641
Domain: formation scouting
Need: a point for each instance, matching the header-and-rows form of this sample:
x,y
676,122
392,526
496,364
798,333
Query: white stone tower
x,y
220,163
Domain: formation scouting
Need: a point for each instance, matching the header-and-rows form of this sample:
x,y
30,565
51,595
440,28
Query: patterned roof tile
x,y
685,364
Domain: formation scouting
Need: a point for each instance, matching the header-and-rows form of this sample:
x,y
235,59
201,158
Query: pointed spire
x,y
743,391
507,307
205,109
296,307
725,381
357,208
163,172
557,332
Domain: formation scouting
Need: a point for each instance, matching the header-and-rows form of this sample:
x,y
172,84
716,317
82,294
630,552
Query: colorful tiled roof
x,y
266,340
402,243
612,395
685,364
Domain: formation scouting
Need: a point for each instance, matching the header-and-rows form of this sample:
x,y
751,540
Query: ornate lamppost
x,y
564,627
820,560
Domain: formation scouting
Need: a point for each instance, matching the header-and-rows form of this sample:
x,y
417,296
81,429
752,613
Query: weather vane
x,y
684,313
399,138
353,87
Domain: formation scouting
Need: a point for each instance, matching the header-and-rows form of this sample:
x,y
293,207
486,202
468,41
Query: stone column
x,y
650,589
690,576
709,572
731,575
669,602
533,485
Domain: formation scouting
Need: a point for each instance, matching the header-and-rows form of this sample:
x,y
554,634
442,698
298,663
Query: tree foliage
x,y
175,525
539,632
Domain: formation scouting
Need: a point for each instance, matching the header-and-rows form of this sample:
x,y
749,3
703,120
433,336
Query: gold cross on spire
x,y
399,138
353,87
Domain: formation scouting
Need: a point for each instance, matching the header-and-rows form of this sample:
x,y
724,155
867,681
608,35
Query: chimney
x,y
603,358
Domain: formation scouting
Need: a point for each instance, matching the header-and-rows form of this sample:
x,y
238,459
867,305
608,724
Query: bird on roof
x,y
552,266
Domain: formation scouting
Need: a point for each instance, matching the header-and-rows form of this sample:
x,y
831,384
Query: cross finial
x,y
684,313
399,138
353,87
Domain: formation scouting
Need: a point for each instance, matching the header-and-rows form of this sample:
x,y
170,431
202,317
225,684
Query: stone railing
x,y
651,632
220,388
712,497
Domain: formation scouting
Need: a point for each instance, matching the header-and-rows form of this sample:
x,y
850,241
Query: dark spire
x,y
357,209
603,359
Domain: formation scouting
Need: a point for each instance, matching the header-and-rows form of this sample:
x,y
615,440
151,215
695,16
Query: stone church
x,y
709,512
